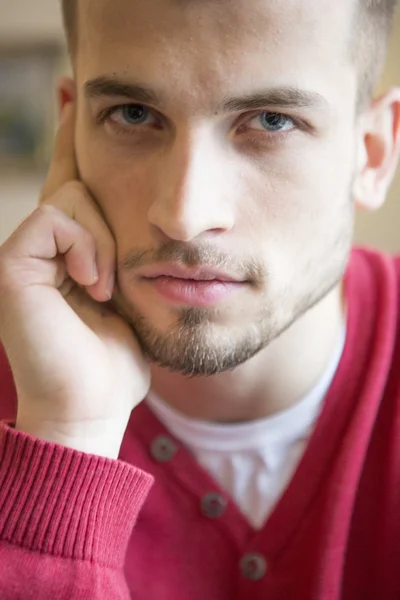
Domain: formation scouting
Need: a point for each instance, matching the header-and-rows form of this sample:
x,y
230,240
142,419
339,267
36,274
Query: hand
x,y
77,366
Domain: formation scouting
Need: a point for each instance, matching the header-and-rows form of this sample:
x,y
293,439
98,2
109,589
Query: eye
x,y
272,122
131,114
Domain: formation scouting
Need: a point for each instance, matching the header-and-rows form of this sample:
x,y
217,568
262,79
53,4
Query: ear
x,y
66,92
378,150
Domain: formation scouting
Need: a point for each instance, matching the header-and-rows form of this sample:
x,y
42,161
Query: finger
x,y
75,200
31,255
63,165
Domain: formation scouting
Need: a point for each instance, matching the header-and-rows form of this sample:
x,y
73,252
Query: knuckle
x,y
74,200
45,211
50,217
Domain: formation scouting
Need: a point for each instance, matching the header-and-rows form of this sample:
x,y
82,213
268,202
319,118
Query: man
x,y
192,248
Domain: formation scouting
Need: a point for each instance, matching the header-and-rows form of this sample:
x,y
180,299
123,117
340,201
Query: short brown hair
x,y
69,9
373,22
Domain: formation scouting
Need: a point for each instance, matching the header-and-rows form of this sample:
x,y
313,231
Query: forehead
x,y
205,48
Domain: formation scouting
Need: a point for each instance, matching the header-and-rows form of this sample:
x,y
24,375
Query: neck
x,y
272,381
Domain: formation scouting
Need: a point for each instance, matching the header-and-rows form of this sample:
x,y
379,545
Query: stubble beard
x,y
197,345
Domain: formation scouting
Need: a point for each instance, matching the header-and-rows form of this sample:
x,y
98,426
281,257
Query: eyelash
x,y
106,115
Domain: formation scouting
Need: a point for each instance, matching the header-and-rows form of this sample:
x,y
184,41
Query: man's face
x,y
238,156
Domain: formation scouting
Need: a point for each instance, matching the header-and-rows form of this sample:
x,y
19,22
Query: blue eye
x,y
130,115
273,122
134,114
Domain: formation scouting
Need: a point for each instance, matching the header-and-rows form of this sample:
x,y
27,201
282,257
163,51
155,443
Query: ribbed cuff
x,y
66,503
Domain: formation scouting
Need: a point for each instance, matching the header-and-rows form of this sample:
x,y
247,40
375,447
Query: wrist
x,y
104,440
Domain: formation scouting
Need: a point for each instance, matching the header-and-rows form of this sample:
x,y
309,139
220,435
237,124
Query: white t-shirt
x,y
253,462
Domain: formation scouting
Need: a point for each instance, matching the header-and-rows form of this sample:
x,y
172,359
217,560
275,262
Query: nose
x,y
194,193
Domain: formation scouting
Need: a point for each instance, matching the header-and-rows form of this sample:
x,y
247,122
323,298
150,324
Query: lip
x,y
177,271
200,287
191,292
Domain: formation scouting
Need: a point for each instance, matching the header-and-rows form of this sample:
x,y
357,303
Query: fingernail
x,y
110,287
95,273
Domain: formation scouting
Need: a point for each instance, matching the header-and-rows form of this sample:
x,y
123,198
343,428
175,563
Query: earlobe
x,y
366,193
379,151
66,92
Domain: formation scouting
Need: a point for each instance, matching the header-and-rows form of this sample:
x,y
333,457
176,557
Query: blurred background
x,y
32,56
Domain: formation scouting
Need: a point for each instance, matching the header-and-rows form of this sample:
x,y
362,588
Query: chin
x,y
192,342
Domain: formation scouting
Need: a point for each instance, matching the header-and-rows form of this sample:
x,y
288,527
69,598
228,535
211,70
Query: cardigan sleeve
x,y
65,520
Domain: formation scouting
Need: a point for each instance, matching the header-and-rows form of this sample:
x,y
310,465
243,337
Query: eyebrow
x,y
110,87
283,97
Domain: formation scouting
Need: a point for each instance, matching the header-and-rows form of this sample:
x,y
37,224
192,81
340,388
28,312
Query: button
x,y
163,449
213,505
253,566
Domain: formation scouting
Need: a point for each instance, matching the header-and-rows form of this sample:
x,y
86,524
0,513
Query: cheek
x,y
299,206
122,187
303,184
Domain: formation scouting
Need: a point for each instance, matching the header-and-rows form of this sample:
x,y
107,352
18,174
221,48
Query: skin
x,y
215,188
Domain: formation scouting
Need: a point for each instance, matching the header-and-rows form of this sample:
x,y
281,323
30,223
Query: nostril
x,y
186,221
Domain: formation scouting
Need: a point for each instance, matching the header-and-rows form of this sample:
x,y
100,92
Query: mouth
x,y
199,287
177,271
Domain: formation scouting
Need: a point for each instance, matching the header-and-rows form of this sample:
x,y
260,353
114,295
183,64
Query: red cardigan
x,y
76,526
